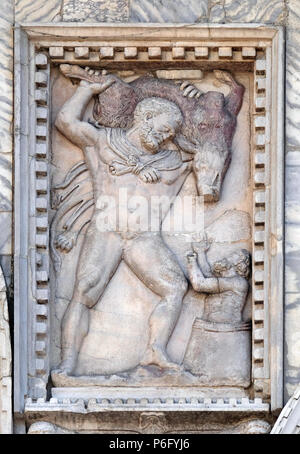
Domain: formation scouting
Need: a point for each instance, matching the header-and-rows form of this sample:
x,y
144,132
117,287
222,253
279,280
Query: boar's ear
x,y
185,144
96,109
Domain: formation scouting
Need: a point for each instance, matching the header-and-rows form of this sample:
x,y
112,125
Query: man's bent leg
x,y
101,255
157,267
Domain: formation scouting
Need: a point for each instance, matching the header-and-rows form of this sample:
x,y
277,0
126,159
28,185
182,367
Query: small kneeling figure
x,y
226,284
219,349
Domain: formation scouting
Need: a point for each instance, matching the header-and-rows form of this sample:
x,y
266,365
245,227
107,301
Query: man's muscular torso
x,y
100,156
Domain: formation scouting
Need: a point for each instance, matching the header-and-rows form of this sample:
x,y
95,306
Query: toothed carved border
x,y
40,225
252,48
146,404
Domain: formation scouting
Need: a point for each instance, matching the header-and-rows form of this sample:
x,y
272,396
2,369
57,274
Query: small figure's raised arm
x,y
69,119
201,247
199,282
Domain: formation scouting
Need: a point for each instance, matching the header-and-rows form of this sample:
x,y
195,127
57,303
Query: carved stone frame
x,y
254,47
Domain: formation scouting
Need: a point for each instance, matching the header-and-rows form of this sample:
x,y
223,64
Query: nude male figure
x,y
132,159
226,285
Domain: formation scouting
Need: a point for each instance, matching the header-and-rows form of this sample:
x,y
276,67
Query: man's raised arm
x,y
69,119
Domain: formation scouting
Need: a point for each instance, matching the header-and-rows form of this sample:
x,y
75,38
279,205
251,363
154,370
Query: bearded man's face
x,y
155,130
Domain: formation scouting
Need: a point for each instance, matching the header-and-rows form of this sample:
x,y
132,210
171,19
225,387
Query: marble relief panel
x,y
160,306
154,223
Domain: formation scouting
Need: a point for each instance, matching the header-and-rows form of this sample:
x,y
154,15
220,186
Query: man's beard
x,y
150,139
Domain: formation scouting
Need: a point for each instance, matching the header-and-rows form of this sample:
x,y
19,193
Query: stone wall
x,y
279,12
5,364
179,11
292,197
6,129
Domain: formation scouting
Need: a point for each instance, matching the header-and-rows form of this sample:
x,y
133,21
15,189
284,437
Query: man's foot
x,y
66,367
156,357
